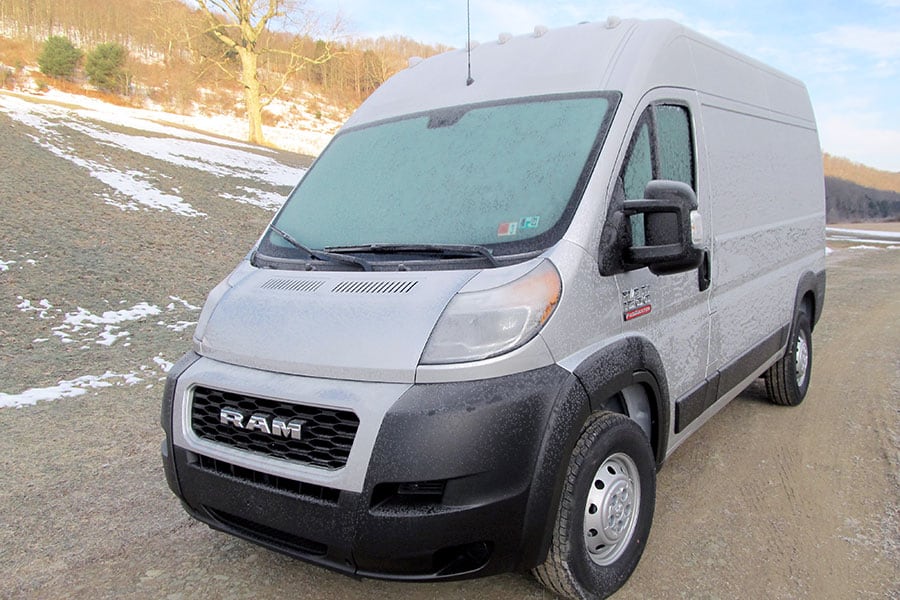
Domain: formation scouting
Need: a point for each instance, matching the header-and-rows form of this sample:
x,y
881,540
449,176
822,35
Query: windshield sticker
x,y
506,229
529,223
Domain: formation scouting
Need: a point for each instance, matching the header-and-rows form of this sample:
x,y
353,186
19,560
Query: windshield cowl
x,y
392,262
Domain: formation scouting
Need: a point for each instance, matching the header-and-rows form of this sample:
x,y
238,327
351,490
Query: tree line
x,y
173,52
848,202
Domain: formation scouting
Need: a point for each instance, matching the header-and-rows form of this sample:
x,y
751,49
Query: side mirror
x,y
668,245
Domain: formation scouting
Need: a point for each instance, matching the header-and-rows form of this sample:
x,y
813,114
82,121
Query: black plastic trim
x,y
698,400
814,285
165,417
624,363
449,494
743,367
691,406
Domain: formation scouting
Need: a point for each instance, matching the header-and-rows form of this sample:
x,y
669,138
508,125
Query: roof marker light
x,y
504,37
613,22
415,60
540,30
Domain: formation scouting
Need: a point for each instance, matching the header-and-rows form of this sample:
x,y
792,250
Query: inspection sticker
x,y
529,223
506,229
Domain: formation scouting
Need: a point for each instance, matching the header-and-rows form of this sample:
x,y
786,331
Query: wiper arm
x,y
446,250
323,255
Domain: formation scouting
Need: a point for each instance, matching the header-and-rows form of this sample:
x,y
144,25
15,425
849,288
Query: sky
x,y
847,53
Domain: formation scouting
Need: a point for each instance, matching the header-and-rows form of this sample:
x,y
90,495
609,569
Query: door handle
x,y
703,272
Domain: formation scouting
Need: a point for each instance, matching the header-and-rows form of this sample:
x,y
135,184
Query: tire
x,y
788,379
608,496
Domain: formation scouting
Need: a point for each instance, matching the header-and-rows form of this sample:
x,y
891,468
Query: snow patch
x,y
164,365
67,389
83,319
179,326
4,265
49,119
184,303
181,148
43,309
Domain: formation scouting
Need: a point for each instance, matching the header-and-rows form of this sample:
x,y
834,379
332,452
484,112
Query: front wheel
x,y
605,511
788,379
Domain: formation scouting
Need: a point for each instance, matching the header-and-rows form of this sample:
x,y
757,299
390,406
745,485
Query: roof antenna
x,y
469,80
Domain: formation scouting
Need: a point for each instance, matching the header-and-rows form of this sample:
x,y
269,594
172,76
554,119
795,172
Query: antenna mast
x,y
469,80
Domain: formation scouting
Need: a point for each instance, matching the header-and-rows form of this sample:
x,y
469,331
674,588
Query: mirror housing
x,y
668,247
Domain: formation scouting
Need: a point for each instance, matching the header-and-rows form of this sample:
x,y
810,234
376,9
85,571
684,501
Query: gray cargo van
x,y
494,305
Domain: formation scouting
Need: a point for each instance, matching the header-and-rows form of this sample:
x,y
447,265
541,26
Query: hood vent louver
x,y
373,287
293,285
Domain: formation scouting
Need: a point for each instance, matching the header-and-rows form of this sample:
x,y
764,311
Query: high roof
x,y
630,56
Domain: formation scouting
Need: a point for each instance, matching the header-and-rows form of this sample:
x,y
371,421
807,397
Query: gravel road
x,y
762,502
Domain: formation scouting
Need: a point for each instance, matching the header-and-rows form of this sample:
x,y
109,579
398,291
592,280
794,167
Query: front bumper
x,y
446,492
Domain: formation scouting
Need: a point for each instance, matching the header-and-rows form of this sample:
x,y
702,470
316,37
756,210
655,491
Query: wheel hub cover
x,y
611,510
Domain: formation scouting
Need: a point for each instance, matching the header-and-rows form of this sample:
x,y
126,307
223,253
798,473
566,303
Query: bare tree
x,y
242,27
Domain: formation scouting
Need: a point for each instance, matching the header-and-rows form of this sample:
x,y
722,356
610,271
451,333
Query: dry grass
x,y
842,168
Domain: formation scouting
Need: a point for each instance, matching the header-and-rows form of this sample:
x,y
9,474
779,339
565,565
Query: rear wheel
x,y
788,379
605,512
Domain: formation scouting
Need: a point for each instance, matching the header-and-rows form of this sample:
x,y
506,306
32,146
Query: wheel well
x,y
808,305
637,403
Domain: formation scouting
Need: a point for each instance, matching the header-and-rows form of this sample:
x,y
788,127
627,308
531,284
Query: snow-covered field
x,y
183,147
304,133
95,137
85,329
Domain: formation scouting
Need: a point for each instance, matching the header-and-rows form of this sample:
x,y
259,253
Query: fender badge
x,y
636,302
638,312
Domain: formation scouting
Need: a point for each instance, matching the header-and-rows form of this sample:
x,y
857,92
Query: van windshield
x,y
503,175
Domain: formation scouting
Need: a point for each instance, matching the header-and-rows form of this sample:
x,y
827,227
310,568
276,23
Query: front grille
x,y
325,439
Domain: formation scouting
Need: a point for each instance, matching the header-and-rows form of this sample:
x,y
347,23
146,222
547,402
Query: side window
x,y
639,167
661,148
676,153
638,172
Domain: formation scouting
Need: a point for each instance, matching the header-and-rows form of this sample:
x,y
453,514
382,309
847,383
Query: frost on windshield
x,y
480,175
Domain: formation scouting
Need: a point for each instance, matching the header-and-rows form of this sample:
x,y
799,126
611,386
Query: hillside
x,y
175,64
858,193
843,168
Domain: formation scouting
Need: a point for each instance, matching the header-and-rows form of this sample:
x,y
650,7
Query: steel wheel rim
x,y
611,510
801,359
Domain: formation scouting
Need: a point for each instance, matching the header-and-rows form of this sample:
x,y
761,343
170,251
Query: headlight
x,y
478,325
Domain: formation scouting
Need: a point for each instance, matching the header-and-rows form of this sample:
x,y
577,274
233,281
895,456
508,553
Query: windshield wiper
x,y
443,250
323,254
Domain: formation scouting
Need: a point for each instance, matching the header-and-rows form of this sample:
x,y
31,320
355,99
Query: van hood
x,y
366,327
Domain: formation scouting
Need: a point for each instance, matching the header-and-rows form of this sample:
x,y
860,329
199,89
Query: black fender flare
x,y
588,389
814,284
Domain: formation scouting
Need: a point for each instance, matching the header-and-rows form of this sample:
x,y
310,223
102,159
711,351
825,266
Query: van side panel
x,y
760,166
